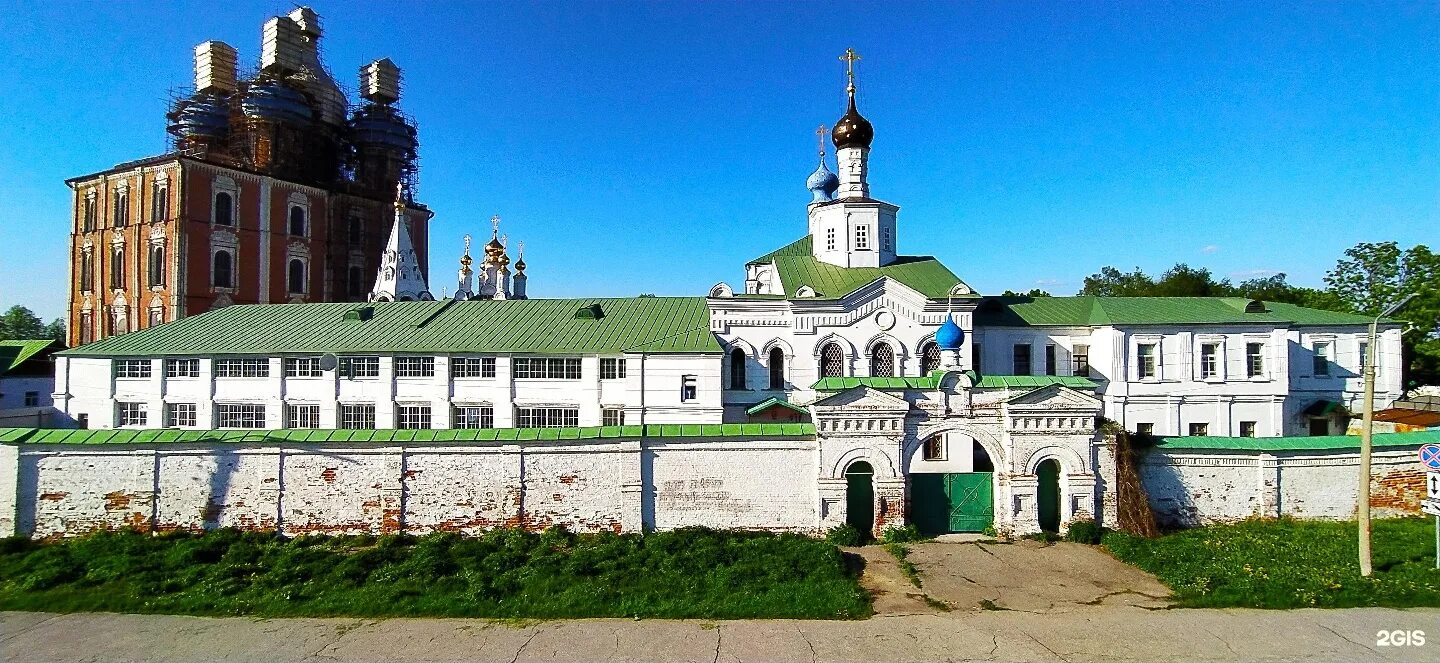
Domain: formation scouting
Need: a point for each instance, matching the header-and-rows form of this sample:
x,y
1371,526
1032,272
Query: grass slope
x,y
504,573
1290,564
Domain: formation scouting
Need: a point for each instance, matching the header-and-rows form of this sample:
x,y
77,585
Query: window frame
x,y
230,215
240,413
612,368
862,237
554,368
297,415
461,416
1015,358
249,368
736,378
1052,362
1248,428
1150,372
414,366
177,415
414,416
1254,359
933,448
1209,361
473,368
302,367
1202,426
132,369
689,389
351,414
131,414
1320,361
612,416
173,366
827,358
547,417
350,364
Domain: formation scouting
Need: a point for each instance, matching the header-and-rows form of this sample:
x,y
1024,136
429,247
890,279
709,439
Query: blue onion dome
x,y
822,184
275,101
852,129
202,115
950,335
380,125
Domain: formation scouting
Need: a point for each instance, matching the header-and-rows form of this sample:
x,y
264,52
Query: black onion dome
x,y
852,129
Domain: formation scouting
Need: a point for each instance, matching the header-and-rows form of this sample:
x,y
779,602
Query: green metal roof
x,y
932,381
775,402
293,436
1314,443
1085,311
14,353
797,267
539,326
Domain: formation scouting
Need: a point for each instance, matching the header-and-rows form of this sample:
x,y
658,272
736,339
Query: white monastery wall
x,y
614,485
1196,488
13,390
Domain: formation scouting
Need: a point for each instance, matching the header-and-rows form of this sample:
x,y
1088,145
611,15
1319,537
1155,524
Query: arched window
x,y
297,220
160,210
737,369
929,358
355,282
777,368
832,361
297,276
122,208
157,265
221,274
882,361
89,219
224,209
117,268
87,272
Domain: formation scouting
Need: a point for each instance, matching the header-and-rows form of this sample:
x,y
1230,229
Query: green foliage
x,y
846,535
19,323
904,534
901,553
1084,531
1033,292
1289,564
990,531
505,573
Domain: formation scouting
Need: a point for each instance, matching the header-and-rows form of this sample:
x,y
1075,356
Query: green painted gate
x,y
943,503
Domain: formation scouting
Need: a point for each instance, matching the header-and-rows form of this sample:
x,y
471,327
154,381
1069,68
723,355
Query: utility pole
x,y
1363,499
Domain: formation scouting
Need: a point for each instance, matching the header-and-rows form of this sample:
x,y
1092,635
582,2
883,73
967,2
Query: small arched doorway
x,y
1048,497
860,497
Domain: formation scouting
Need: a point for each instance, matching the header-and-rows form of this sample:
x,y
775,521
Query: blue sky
x,y
656,147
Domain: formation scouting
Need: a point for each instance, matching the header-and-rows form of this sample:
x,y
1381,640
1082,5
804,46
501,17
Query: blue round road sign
x,y
1430,456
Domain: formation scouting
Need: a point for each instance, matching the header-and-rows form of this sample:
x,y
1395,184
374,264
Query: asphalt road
x,y
1103,633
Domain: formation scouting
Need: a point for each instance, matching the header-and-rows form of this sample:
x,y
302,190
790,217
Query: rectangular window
x,y
862,238
130,414
1319,426
829,239
1049,359
356,416
360,367
546,417
1209,360
242,368
1199,429
182,368
132,368
1364,356
180,415
1145,428
688,391
1146,365
302,416
157,316
303,367
32,399
1021,356
240,415
472,367
1080,361
885,239
1320,364
612,369
83,421
554,368
412,416
474,416
934,448
612,416
414,367
1254,360
1247,429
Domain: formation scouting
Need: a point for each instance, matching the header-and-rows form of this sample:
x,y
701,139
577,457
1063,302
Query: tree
x,y
20,323
1183,280
1373,276
1111,282
1034,292
1276,289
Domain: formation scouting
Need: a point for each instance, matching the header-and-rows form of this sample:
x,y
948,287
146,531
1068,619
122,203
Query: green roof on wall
x,y
389,435
1309,443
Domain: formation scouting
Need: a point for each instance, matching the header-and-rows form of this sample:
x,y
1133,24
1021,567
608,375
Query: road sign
x,y
1431,507
1432,486
1430,457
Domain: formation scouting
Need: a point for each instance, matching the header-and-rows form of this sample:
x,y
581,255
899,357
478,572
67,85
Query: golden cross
x,y
820,137
850,57
467,244
522,248
495,225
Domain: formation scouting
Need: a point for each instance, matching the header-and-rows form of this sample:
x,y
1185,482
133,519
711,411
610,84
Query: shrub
x,y
904,534
1085,531
846,535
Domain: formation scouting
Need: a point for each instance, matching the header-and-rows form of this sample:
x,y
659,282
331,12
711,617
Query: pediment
x,y
863,398
1053,397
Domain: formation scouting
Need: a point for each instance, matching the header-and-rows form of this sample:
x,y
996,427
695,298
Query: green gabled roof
x,y
390,435
932,381
1310,443
14,353
1085,311
797,268
775,402
540,326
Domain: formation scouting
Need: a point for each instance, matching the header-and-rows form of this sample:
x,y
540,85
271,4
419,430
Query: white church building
x,y
843,382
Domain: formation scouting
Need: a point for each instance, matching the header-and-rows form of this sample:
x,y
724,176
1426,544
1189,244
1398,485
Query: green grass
x,y
1290,564
907,567
505,573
